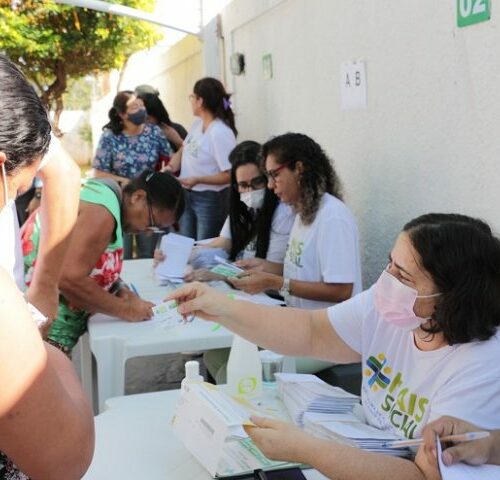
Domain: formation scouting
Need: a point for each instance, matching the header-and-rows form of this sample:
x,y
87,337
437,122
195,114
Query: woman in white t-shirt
x,y
204,160
258,224
322,263
426,334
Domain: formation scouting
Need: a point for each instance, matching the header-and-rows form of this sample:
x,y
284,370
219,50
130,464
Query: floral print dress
x,y
8,471
129,155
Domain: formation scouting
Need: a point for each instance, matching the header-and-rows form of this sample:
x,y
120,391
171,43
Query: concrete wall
x,y
429,139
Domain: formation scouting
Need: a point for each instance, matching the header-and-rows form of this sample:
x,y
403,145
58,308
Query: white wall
x,y
430,137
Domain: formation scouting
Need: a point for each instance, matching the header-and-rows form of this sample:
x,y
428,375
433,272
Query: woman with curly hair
x,y
322,264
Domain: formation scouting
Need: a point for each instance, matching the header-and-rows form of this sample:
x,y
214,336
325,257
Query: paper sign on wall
x,y
353,85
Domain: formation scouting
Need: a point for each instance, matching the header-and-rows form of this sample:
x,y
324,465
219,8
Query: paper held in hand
x,y
461,471
176,249
209,424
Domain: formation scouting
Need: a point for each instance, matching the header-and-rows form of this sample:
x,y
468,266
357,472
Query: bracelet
x,y
117,286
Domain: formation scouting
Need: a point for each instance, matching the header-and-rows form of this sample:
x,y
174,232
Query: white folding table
x,y
134,440
113,341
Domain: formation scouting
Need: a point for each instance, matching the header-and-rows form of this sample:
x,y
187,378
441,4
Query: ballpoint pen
x,y
134,289
461,437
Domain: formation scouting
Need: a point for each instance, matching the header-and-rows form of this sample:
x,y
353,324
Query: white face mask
x,y
254,198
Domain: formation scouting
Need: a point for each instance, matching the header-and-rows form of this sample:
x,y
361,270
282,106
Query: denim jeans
x,y
204,214
146,244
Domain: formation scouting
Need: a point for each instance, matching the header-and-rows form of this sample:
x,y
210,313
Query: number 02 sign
x,y
472,11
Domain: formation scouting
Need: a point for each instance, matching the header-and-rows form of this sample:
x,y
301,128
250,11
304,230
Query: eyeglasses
x,y
274,174
192,96
254,184
153,226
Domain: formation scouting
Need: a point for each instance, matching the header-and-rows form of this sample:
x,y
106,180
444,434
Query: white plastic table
x,y
134,441
113,341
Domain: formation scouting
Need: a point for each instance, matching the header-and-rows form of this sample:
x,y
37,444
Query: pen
x,y
134,289
461,437
259,474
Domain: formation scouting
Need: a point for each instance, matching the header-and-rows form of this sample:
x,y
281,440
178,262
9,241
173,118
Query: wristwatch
x,y
285,289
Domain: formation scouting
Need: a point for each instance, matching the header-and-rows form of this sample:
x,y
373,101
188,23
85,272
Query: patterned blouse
x,y
129,155
8,471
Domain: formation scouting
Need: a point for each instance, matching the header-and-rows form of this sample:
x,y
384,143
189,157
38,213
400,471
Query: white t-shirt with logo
x,y
403,387
207,153
281,225
325,251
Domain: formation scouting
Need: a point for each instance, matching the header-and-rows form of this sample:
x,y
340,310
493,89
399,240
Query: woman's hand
x,y
278,440
202,301
474,452
255,282
252,264
136,309
158,257
202,275
189,182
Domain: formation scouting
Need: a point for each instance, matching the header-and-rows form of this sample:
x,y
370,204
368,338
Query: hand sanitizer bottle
x,y
244,370
192,375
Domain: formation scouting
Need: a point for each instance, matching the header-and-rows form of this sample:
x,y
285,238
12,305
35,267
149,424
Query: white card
x,y
176,249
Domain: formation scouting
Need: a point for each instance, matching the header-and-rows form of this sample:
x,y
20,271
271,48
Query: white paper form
x,y
209,424
462,471
176,249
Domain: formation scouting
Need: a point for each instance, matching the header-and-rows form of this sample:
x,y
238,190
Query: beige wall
x,y
429,139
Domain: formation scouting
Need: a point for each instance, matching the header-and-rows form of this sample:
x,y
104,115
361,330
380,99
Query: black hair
x,y
162,188
115,123
25,127
244,225
318,176
155,108
463,257
216,100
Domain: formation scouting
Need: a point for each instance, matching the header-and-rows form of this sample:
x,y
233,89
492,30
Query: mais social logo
x,y
377,372
404,408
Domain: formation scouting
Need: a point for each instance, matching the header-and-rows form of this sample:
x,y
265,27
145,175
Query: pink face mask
x,y
394,302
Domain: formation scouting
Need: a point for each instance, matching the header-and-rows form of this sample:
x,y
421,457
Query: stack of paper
x,y
351,429
176,249
303,393
209,424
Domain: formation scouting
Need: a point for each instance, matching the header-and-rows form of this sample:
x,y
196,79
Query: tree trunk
x,y
121,74
54,94
57,114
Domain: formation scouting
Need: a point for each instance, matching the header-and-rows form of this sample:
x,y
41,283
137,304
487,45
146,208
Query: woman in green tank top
x,y
90,280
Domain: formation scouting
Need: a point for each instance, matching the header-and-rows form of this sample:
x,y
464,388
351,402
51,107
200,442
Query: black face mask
x,y
137,118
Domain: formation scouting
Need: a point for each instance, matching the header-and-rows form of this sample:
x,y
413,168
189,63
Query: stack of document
x,y
302,393
352,429
176,249
210,425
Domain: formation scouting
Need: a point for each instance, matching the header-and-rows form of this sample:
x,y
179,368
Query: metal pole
x,y
115,9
